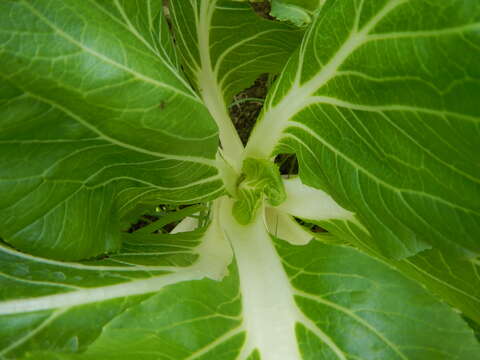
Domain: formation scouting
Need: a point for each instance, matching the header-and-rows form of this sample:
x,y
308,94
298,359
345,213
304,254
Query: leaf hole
x,y
262,9
288,164
163,219
312,227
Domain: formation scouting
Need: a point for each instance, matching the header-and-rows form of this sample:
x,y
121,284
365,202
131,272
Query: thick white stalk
x,y
214,256
269,310
97,294
269,128
211,92
267,133
283,226
231,144
309,203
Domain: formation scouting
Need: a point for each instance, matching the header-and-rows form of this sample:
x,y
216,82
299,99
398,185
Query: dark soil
x,y
142,222
244,111
310,226
246,107
287,163
263,9
147,219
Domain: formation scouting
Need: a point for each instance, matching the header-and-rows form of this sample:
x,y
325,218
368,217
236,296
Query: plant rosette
x,y
110,108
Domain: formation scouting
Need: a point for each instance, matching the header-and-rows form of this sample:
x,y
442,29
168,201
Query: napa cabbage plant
x,y
115,109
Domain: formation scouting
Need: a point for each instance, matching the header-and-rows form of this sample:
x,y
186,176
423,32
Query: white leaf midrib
x,y
79,266
117,142
214,255
268,132
299,97
211,90
93,295
268,307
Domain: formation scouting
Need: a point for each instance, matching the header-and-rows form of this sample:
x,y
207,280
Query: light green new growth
x,y
260,180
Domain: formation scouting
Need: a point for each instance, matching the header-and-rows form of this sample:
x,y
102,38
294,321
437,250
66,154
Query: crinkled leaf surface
x,y
262,181
94,116
279,302
382,114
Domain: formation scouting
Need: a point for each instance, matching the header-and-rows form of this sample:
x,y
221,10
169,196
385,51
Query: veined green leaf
x,y
381,113
94,117
456,280
298,12
288,302
97,124
225,46
190,320
60,306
